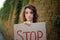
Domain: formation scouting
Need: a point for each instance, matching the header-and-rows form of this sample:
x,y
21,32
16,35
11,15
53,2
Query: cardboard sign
x,y
36,31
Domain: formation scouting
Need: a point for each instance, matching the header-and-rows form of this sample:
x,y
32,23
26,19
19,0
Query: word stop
x,y
29,35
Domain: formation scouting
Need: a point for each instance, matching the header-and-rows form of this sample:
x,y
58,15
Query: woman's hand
x,y
27,23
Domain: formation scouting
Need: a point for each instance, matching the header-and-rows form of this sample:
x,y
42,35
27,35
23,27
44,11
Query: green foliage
x,y
56,23
18,9
4,12
25,2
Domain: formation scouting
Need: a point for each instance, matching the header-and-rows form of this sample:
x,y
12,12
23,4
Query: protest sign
x,y
36,31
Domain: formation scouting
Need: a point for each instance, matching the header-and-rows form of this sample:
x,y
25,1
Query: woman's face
x,y
28,14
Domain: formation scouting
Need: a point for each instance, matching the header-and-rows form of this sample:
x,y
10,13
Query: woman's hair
x,y
22,15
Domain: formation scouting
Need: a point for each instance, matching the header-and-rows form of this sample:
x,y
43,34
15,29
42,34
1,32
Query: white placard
x,y
36,31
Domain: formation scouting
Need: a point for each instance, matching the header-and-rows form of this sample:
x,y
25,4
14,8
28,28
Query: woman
x,y
29,15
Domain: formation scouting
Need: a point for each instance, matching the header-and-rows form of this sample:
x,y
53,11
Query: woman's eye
x,y
31,12
26,12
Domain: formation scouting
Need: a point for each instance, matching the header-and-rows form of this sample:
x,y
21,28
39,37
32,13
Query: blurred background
x,y
48,11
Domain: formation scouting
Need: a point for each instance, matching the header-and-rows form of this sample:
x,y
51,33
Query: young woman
x,y
29,15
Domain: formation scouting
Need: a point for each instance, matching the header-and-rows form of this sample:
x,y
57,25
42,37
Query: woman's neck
x,y
29,21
